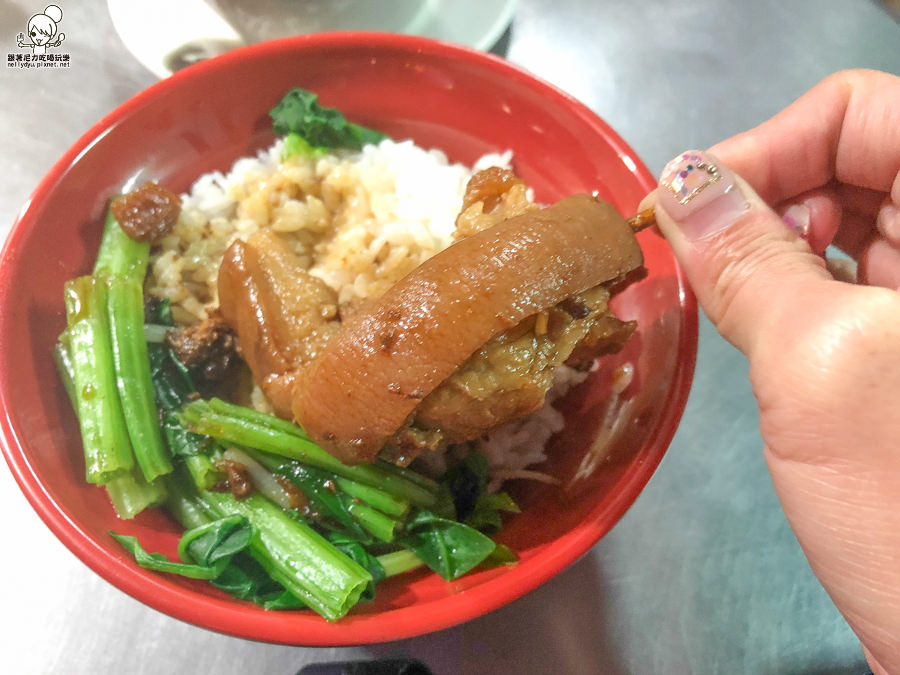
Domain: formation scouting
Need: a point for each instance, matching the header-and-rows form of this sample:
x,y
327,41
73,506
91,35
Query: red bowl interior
x,y
464,102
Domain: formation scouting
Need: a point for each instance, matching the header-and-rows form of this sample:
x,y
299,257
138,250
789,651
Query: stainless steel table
x,y
702,575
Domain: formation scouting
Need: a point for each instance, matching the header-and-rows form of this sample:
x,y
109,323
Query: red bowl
x,y
467,103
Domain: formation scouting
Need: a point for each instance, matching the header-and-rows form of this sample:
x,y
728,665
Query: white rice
x,y
359,221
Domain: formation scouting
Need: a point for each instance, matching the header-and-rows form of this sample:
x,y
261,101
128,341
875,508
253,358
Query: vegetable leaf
x,y
172,388
207,548
217,550
300,112
219,540
449,548
486,514
246,579
160,563
296,146
172,384
158,311
319,487
180,440
475,506
354,550
502,555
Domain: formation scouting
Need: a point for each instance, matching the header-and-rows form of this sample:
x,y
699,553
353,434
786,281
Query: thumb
x,y
747,268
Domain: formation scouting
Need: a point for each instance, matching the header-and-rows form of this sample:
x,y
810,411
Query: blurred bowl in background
x,y
179,33
477,23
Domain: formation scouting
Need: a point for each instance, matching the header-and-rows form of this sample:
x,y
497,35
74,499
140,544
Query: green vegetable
x,y
293,554
246,579
154,333
203,471
353,517
355,551
501,555
399,562
172,388
128,490
404,473
300,112
207,548
130,493
133,379
213,544
221,407
296,556
319,487
449,548
374,497
87,348
382,527
295,146
486,515
243,577
181,440
172,385
182,501
233,424
467,482
158,311
119,255
65,367
160,563
119,270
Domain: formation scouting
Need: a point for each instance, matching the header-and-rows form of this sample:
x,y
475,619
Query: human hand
x,y
824,355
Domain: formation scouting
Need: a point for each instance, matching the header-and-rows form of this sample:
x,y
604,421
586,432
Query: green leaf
x,y
172,384
319,486
172,389
355,551
467,482
296,146
219,540
233,424
181,440
245,579
295,555
502,555
160,563
207,548
449,548
300,112
158,311
486,514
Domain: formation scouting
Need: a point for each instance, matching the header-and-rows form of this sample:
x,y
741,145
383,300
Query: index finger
x,y
846,128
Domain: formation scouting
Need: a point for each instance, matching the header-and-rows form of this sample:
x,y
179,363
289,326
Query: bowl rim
x,y
232,618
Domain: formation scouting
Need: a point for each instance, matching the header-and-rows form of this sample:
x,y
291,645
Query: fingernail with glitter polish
x,y
700,194
797,219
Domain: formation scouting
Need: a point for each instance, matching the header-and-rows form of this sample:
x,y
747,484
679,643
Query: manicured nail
x,y
797,219
700,194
